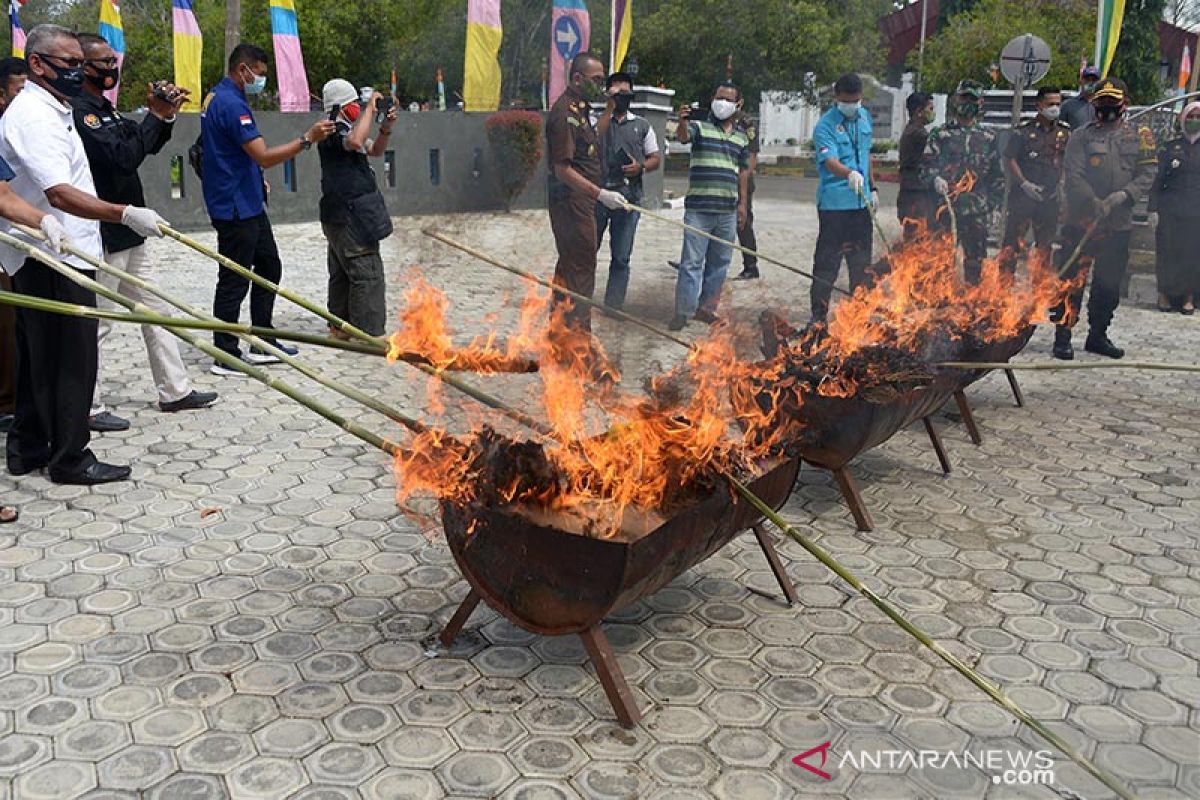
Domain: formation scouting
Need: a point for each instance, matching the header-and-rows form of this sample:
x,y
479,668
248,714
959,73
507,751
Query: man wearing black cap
x,y
1109,167
1078,111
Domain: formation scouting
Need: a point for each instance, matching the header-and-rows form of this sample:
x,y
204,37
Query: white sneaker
x,y
225,372
255,357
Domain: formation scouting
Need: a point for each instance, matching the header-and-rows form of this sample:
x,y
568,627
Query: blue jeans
x,y
705,262
622,227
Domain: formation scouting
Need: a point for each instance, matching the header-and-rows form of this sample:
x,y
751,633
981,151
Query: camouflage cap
x,y
968,86
1111,90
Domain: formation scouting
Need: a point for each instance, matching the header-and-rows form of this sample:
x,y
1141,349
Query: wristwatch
x,y
305,142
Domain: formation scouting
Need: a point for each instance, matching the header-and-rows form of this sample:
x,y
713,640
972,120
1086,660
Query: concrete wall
x,y
438,163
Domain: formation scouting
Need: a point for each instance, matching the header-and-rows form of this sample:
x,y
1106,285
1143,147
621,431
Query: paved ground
x,y
251,616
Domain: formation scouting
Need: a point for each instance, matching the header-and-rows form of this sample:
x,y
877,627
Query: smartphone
x,y
384,105
333,112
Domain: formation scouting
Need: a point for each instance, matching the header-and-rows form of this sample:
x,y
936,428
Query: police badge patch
x,y
92,121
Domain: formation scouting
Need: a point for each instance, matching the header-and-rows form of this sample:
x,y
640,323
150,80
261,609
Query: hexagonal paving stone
x,y
56,780
343,763
92,740
168,726
476,774
215,752
362,723
267,777
188,786
137,767
407,783
243,713
312,700
51,716
20,752
291,737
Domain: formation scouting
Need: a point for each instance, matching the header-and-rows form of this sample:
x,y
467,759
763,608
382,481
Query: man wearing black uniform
x,y
916,203
116,146
576,172
746,237
1034,156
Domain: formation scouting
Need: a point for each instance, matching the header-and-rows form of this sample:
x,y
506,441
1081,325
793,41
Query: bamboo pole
x,y
529,276
216,353
693,229
265,345
1061,365
925,639
357,333
874,212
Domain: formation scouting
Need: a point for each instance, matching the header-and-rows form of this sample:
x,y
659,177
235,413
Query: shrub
x,y
516,141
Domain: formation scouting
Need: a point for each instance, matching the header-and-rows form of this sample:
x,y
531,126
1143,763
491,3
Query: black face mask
x,y
104,79
622,100
68,81
1108,113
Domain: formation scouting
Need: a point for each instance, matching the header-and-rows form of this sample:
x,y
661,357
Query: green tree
x,y
972,40
1137,58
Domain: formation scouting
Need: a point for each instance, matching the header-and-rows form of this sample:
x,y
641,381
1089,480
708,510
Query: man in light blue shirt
x,y
842,141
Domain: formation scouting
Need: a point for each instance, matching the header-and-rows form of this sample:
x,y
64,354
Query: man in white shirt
x,y
56,355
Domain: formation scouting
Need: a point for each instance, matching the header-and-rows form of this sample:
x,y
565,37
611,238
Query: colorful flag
x,y
570,35
289,60
1185,69
18,34
188,45
481,68
114,34
622,32
441,76
1108,33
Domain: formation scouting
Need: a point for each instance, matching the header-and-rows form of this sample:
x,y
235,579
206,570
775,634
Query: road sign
x,y
1025,60
567,38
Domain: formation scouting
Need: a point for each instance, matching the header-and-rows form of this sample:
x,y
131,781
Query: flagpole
x,y
1099,30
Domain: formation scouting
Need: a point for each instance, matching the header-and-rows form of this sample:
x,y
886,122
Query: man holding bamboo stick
x,y
56,356
116,147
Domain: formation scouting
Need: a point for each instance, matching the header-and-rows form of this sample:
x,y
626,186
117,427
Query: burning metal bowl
x,y
553,582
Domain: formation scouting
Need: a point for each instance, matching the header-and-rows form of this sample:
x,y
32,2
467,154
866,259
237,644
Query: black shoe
x,y
107,422
706,316
677,323
19,468
747,275
1101,345
6,422
673,265
96,473
189,401
1062,344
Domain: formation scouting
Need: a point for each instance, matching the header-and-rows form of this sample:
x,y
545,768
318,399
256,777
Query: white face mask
x,y
1051,112
723,109
849,110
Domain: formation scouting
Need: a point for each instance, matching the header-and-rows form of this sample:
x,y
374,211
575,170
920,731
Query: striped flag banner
x,y
113,33
481,67
188,45
441,82
1185,69
1108,33
570,35
622,32
289,60
18,33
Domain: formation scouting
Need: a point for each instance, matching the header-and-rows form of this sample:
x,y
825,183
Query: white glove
x,y
940,186
856,181
613,201
142,221
1152,219
1033,190
55,233
1112,201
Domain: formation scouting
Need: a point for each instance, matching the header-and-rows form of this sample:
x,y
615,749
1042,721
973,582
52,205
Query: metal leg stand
x,y
964,408
1016,387
936,441
854,499
768,548
460,618
609,672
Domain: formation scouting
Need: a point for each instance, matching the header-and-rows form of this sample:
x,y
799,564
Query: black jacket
x,y
116,146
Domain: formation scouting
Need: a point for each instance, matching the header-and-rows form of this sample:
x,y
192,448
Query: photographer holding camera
x,y
354,216
116,146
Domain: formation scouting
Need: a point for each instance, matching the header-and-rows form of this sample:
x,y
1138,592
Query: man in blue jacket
x,y
842,141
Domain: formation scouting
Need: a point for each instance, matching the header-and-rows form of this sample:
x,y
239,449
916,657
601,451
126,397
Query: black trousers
x,y
573,221
1024,212
8,351
914,209
251,243
56,377
972,238
1177,243
746,237
1106,256
843,234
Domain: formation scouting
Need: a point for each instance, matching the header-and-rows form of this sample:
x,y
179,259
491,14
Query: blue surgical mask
x,y
257,86
849,110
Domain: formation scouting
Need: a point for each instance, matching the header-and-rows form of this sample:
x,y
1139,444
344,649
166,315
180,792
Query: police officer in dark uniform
x,y
915,203
1034,155
746,237
1109,167
1175,215
576,174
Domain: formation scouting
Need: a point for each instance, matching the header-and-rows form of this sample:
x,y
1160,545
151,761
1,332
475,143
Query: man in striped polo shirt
x,y
718,193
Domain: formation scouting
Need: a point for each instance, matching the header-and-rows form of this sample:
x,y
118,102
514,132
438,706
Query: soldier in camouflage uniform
x,y
955,149
1109,167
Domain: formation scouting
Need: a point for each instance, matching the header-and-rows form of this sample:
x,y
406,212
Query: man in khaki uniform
x,y
1109,166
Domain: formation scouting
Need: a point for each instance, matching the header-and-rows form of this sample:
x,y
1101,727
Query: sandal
x,y
1164,304
8,514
